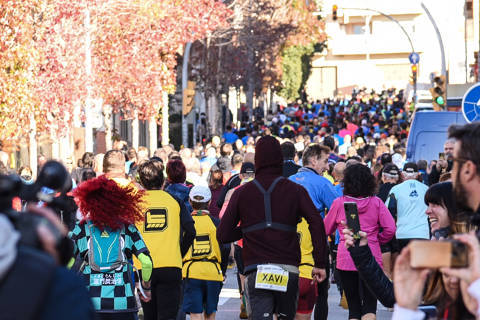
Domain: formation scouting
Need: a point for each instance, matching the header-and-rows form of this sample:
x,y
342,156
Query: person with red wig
x,y
105,240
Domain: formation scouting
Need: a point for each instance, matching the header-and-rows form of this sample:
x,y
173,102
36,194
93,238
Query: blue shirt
x,y
412,222
320,190
230,137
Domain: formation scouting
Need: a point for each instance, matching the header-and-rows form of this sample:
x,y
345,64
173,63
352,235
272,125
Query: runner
x,y
271,247
247,174
109,216
412,223
322,193
307,293
204,265
168,230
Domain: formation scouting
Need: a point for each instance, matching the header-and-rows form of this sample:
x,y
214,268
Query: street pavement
x,y
229,303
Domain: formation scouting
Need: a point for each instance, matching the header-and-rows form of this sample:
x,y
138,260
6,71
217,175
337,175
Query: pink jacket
x,y
373,214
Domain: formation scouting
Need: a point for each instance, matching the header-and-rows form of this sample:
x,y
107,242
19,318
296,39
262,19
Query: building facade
x,y
368,49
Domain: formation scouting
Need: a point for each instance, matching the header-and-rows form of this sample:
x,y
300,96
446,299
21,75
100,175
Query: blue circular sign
x,y
471,104
414,58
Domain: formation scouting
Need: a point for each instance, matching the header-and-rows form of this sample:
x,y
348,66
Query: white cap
x,y
200,194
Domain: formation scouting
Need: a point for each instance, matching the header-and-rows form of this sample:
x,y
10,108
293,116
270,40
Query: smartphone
x,y
438,254
441,156
353,221
430,311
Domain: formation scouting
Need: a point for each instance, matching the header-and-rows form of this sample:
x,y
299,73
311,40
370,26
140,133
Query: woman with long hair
x,y
442,290
359,187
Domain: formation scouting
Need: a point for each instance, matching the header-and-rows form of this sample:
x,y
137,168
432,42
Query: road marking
x,y
229,293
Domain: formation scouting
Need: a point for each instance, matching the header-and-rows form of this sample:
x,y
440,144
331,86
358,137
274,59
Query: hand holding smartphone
x,y
353,221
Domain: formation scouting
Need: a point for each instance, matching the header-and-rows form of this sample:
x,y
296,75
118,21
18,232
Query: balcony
x,y
373,44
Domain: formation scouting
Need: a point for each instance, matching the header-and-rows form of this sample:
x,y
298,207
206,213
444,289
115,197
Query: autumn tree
x,y
248,53
136,46
134,50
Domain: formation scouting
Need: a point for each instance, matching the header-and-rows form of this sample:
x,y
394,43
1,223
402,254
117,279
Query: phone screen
x,y
441,156
351,214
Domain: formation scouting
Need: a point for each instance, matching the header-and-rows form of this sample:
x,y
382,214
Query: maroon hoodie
x,y
290,202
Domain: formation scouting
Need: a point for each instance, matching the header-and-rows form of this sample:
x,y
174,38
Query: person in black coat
x,y
289,166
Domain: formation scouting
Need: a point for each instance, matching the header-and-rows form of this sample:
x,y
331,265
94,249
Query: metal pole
x,y
465,39
442,49
186,56
439,37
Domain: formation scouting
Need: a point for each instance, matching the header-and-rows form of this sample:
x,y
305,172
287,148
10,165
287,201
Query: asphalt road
x,y
229,304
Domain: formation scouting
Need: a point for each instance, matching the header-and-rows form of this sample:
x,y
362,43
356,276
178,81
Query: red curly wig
x,y
103,202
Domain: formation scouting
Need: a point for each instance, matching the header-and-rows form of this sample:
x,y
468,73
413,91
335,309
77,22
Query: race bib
x,y
271,277
106,279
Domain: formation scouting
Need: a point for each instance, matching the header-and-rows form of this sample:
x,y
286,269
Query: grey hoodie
x,y
8,245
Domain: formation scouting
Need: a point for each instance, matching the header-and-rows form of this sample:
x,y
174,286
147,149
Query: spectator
x,y
443,165
48,290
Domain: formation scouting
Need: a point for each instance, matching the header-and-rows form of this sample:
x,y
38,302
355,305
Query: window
x,y
355,28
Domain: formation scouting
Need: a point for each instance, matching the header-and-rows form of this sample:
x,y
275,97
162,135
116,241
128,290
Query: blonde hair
x,y
114,162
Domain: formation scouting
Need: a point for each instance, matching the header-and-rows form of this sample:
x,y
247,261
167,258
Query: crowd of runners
x,y
157,229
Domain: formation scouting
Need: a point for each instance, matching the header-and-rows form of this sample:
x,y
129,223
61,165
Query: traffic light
x,y
474,67
439,97
334,12
414,73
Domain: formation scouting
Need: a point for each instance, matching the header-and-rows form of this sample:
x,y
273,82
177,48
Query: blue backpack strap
x,y
267,202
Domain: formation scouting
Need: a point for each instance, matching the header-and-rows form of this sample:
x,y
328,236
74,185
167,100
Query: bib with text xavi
x,y
271,277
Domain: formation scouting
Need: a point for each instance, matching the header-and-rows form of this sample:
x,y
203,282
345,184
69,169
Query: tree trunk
x,y
250,80
33,145
135,131
107,118
165,138
152,133
219,116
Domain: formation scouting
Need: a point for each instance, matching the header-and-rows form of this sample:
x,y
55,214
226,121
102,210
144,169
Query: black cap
x,y
247,167
410,167
391,169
